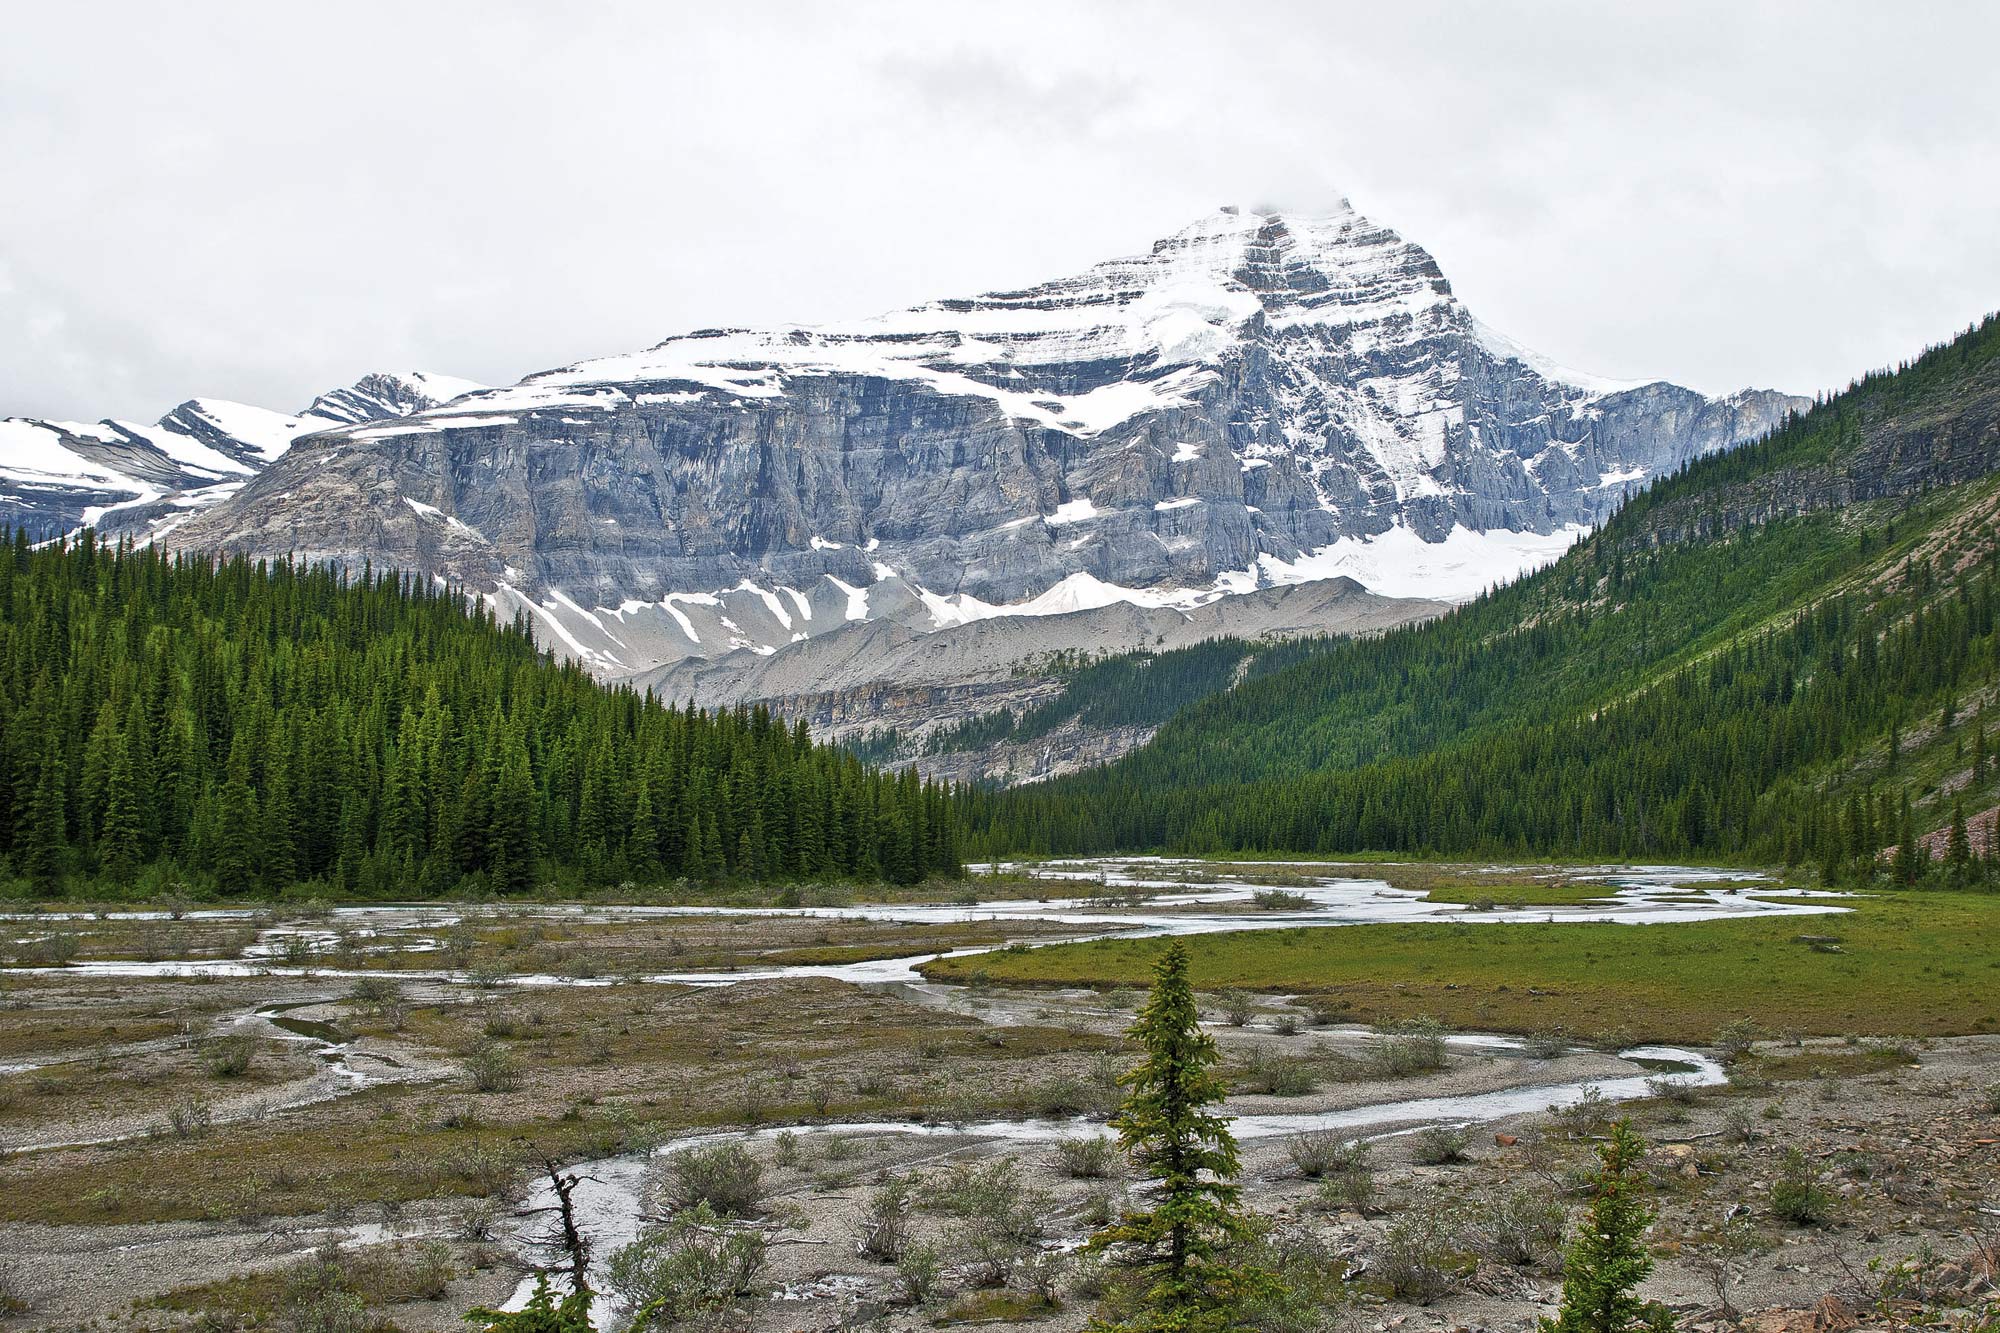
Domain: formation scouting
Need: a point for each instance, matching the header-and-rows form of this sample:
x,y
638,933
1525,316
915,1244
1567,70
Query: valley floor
x,y
244,1120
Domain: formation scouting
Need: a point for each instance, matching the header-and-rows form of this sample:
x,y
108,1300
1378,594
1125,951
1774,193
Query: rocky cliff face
x,y
1259,400
126,478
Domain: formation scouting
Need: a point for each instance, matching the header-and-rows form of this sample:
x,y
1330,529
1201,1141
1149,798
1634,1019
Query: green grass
x,y
1909,965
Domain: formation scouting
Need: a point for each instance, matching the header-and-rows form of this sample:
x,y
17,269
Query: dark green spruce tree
x,y
1183,1247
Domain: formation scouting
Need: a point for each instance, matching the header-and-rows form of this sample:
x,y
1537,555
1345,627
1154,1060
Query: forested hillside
x,y
248,727
1784,652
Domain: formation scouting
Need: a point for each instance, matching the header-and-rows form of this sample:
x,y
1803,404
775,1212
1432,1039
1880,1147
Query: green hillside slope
x,y
1720,671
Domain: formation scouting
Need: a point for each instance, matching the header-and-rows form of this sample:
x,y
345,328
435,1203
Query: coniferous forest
x,y
249,727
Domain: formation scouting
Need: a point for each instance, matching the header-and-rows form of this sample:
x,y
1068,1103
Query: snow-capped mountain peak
x,y
1257,399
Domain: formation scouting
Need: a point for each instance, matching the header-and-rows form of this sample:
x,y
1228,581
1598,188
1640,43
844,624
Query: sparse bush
x,y
475,1220
723,1177
1086,1159
1325,1010
58,948
885,1229
1678,1091
482,1166
1735,1039
989,1246
1278,1075
1041,1272
1280,900
1318,1153
688,1270
920,1273
1545,1043
1522,1227
1286,1025
785,1149
1419,1258
428,1276
1739,1124
750,1110
1001,1218
326,1312
1587,1115
1440,1145
230,1056
1307,1293
1991,1099
1064,1096
490,1069
375,990
1237,1007
1797,1196
1415,1046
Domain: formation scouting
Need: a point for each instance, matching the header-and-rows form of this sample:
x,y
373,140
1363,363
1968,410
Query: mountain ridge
x,y
131,479
1253,402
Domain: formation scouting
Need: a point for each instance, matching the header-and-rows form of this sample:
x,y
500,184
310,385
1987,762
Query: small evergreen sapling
x,y
1607,1259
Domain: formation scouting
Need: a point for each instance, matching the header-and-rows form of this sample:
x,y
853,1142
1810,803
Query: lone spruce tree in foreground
x,y
1181,1244
1608,1259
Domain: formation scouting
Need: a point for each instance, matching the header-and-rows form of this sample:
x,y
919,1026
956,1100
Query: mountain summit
x,y
1258,399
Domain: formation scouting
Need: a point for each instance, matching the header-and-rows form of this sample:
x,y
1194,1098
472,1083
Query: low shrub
x,y
1415,1046
1735,1039
1318,1153
490,1069
885,1227
230,1056
920,1275
189,1118
1307,1293
1545,1043
1278,1075
1419,1256
1588,1115
1086,1159
1522,1227
722,1177
1440,1145
688,1270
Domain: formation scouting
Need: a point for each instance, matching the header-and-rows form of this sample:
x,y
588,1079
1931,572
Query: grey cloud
x,y
260,201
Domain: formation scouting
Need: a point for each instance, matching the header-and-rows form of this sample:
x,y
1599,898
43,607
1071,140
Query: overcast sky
x,y
260,201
